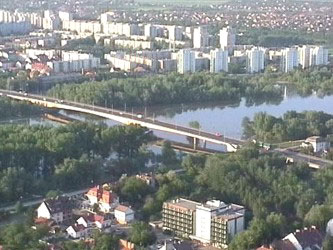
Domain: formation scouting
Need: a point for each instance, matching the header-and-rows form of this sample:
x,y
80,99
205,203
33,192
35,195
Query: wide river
x,y
223,118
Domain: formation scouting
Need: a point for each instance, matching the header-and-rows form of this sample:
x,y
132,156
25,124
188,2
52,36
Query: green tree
x,y
328,243
106,242
134,189
319,215
141,234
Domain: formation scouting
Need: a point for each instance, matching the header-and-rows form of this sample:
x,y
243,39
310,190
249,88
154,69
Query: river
x,y
221,118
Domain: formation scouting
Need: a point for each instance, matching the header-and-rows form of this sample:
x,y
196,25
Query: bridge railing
x,y
132,116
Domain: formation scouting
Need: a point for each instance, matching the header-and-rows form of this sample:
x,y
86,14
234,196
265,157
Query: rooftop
x,y
184,204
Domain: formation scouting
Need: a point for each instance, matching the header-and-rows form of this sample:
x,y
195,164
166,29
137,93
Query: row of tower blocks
x,y
290,58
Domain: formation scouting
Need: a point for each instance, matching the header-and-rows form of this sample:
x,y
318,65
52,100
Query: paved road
x,y
311,160
127,115
40,200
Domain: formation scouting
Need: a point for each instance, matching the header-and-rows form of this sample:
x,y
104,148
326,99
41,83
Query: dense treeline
x,y
11,109
22,236
35,159
272,192
291,126
308,81
172,88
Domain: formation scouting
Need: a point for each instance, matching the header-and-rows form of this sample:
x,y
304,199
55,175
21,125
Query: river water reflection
x,y
218,117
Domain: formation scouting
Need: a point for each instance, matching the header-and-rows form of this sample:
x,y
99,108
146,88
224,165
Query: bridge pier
x,y
194,143
204,144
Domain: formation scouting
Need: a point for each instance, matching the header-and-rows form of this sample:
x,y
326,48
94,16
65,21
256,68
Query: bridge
x,y
125,118
312,161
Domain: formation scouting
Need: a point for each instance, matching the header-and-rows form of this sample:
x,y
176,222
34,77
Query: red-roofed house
x,y
123,214
78,231
92,220
107,200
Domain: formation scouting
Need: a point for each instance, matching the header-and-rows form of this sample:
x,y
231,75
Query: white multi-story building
x,y
304,56
126,29
186,61
319,56
200,37
218,60
206,218
312,55
214,222
255,60
289,59
175,33
150,31
65,16
227,37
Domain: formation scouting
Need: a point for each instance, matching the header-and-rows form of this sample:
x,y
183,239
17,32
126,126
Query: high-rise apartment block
x,y
318,56
289,59
227,38
200,37
214,222
312,55
186,61
255,60
150,31
218,60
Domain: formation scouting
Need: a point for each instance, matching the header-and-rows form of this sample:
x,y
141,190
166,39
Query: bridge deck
x,y
232,144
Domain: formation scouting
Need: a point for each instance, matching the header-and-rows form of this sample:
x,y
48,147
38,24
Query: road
x,y
130,116
314,162
40,200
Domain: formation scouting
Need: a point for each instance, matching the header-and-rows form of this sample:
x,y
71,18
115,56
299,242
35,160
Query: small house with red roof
x,y
95,220
78,231
107,200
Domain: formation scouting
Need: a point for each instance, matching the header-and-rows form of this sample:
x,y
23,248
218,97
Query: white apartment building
x,y
82,26
289,59
175,33
304,56
75,55
119,62
213,222
227,37
125,29
33,53
312,55
186,61
205,218
150,31
65,16
319,56
134,44
200,37
74,65
255,60
218,60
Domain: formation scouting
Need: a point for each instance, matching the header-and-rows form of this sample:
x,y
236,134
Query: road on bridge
x,y
139,118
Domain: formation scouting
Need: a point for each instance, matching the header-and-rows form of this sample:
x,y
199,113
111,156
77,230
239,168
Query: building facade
x,y
218,61
186,61
214,222
227,38
289,59
255,60
179,217
200,37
